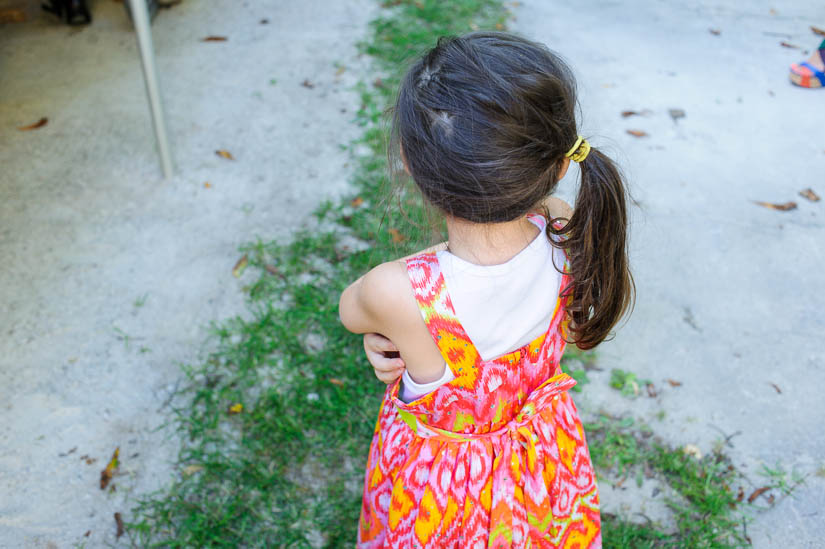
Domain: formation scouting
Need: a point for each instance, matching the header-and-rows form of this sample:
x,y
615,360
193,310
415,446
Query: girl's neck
x,y
489,243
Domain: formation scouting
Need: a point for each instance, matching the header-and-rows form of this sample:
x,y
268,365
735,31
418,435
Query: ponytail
x,y
602,288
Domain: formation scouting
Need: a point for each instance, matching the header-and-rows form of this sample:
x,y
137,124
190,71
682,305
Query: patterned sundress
x,y
495,458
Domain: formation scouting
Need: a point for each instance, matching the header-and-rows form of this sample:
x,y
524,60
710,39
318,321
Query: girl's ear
x,y
562,172
404,159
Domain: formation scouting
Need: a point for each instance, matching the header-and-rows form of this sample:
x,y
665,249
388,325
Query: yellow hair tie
x,y
579,151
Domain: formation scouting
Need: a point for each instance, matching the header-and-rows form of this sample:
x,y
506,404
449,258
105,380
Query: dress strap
x,y
438,313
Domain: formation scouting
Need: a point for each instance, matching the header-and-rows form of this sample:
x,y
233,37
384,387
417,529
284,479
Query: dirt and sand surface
x,y
111,275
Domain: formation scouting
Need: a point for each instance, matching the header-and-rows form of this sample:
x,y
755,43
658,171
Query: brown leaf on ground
x,y
119,523
625,114
809,194
758,492
207,185
715,32
740,495
673,382
107,473
791,46
39,124
336,381
12,16
307,84
214,39
240,266
236,408
776,387
771,499
651,390
396,235
781,207
817,30
89,460
225,154
357,201
637,133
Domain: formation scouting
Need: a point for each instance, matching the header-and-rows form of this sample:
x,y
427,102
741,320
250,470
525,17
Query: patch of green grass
x,y
705,507
627,382
287,470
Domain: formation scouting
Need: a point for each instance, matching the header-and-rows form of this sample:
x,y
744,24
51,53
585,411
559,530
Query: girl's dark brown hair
x,y
485,120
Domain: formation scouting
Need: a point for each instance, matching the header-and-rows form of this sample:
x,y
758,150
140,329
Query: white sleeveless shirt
x,y
501,307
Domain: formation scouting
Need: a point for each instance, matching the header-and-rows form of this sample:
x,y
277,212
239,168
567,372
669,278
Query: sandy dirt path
x,y
731,295
110,275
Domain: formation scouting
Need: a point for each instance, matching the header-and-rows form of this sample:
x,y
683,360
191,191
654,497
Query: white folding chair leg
x,y
140,17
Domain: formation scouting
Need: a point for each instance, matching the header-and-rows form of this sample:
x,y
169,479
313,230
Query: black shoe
x,y
74,12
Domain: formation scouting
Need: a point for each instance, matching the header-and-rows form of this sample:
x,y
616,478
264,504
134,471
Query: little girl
x,y
478,444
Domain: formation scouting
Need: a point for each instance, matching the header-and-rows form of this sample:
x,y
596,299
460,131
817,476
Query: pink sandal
x,y
806,75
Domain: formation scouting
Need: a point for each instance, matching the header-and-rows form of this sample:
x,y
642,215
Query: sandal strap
x,y
818,74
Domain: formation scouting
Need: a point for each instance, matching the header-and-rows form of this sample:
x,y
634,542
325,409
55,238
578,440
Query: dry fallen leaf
x,y
190,470
674,383
87,534
625,114
692,450
396,235
240,266
809,194
715,32
207,185
758,492
776,387
236,408
741,495
336,381
651,390
781,207
225,154
818,31
357,201
637,133
787,45
12,16
307,84
119,523
39,124
107,473
214,39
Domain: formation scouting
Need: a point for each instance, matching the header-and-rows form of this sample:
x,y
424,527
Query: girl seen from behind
x,y
478,443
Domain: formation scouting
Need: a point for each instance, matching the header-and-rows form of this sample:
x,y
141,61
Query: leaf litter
x,y
637,133
39,124
784,207
809,194
107,473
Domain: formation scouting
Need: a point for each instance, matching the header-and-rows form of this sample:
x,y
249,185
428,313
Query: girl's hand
x,y
384,357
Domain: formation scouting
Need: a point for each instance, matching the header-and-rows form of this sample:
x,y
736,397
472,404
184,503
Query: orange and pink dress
x,y
495,458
